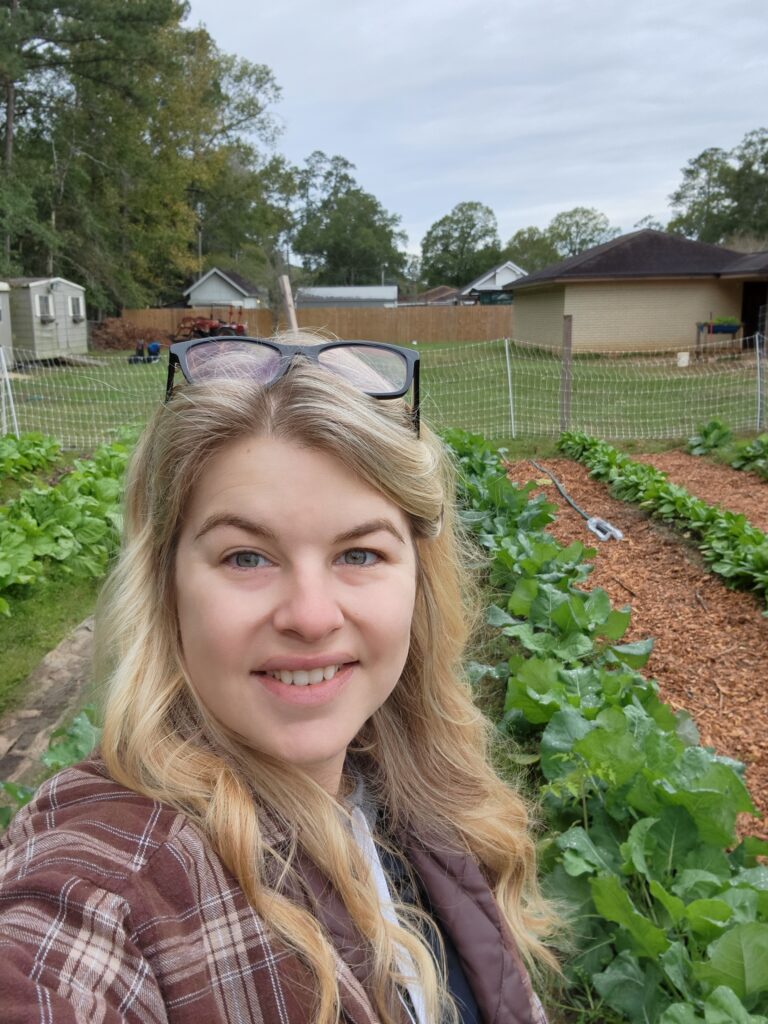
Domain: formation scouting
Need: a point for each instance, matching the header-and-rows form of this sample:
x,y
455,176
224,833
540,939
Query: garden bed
x,y
711,642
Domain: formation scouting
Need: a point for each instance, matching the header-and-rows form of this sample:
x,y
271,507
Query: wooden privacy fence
x,y
166,321
400,325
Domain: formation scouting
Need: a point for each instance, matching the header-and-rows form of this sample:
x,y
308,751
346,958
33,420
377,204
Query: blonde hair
x,y
424,753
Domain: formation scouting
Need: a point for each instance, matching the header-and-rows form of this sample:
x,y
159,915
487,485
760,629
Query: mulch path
x,y
711,643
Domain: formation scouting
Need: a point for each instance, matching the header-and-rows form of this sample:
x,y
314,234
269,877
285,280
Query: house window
x,y
75,307
44,310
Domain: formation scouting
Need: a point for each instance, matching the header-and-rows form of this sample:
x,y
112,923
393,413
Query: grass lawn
x,y
83,406
618,399
463,385
41,617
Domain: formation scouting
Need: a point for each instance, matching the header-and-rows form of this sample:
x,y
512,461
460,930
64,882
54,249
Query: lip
x,y
313,695
306,662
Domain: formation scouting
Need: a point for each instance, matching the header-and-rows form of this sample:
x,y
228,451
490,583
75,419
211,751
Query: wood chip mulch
x,y
711,643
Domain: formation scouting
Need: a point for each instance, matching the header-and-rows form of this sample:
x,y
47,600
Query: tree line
x,y
136,154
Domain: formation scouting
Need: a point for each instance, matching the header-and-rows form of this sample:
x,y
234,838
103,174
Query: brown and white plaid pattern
x,y
115,909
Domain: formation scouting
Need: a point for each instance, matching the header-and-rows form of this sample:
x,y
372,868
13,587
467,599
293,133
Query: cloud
x,y
529,108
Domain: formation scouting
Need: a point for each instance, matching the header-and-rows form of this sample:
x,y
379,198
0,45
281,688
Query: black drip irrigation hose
x,y
601,528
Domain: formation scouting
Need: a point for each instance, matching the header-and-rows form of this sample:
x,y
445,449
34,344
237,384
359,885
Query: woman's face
x,y
295,585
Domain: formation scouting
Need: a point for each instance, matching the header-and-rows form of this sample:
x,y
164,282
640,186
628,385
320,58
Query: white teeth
x,y
302,677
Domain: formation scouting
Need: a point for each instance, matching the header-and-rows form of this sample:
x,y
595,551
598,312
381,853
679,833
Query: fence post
x,y
760,367
7,398
566,373
509,387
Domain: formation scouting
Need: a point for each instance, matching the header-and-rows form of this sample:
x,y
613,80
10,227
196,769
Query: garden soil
x,y
710,653
711,644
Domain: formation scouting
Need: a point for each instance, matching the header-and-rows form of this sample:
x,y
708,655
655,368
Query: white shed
x,y
6,339
48,317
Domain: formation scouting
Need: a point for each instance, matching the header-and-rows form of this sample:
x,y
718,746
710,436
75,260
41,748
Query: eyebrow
x,y
372,526
260,530
238,522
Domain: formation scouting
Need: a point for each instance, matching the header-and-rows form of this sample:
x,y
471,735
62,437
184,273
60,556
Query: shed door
x,y
61,312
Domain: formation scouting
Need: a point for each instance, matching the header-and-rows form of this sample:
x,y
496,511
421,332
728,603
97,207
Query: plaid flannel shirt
x,y
116,909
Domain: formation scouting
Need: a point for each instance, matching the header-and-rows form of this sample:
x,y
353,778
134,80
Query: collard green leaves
x,y
734,548
72,527
669,913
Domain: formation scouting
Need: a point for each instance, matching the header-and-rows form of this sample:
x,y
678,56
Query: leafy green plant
x,y
669,911
20,457
747,455
72,527
733,548
751,456
67,746
710,436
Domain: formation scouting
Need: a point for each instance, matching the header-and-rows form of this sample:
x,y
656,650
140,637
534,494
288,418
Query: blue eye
x,y
359,556
247,560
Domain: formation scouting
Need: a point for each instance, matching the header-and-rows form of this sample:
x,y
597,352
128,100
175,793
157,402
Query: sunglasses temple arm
x,y
173,362
416,413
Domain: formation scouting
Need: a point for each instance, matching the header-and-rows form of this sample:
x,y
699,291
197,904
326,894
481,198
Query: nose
x,y
308,608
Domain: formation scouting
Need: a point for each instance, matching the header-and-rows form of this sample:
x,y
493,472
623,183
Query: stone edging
x,y
53,693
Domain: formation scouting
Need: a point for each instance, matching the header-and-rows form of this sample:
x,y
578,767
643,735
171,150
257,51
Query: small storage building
x,y
6,340
48,317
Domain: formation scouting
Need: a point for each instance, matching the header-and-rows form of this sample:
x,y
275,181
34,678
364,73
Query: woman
x,y
291,817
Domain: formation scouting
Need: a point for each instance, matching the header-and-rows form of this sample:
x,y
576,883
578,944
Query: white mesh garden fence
x,y
503,389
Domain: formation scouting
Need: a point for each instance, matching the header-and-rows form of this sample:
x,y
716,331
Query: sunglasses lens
x,y
373,370
230,359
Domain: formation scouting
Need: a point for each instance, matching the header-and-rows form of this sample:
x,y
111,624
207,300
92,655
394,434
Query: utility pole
x,y
10,113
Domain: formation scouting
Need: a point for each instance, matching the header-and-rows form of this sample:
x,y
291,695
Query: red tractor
x,y
210,327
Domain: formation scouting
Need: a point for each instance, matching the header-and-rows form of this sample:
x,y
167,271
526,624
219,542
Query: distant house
x,y
348,296
220,287
6,338
490,288
47,317
641,290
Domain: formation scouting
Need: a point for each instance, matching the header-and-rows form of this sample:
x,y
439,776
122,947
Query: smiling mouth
x,y
305,677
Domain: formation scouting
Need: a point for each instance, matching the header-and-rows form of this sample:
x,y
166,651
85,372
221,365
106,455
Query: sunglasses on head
x,y
375,368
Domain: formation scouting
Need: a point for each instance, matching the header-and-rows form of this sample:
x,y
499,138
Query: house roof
x,y
645,253
350,293
490,274
25,282
749,263
248,288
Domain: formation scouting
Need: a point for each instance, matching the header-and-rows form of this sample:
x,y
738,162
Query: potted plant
x,y
721,325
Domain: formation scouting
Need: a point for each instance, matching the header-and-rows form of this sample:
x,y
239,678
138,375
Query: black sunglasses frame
x,y
177,357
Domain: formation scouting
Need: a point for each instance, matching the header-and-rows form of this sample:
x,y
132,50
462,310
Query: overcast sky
x,y
529,107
